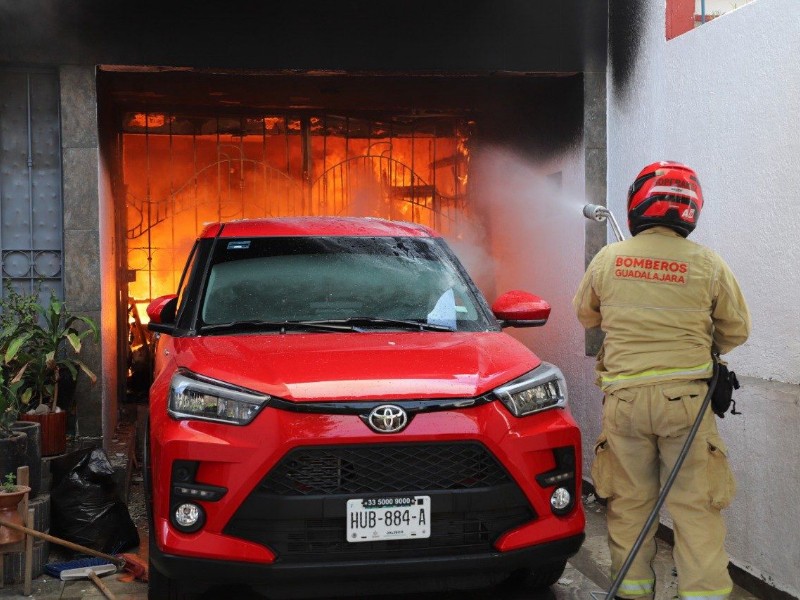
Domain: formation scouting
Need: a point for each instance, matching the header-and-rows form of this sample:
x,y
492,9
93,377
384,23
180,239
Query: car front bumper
x,y
367,578
239,459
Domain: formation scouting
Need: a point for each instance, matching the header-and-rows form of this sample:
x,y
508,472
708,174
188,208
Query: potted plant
x,y
13,442
10,496
48,350
17,312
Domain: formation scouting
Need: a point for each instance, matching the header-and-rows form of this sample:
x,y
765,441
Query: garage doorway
x,y
186,147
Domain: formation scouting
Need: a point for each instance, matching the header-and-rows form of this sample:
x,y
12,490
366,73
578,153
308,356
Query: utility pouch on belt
x,y
722,396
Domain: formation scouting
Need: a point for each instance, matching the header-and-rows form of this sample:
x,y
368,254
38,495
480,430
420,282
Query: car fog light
x,y
187,515
560,498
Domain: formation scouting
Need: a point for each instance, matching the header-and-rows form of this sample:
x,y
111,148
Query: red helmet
x,y
665,193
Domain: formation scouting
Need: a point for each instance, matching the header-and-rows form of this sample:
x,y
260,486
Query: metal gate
x,y
31,222
180,171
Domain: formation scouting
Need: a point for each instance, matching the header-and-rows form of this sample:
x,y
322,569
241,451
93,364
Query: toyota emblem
x,y
387,418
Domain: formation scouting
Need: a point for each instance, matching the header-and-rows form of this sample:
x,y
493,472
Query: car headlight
x,y
193,396
538,390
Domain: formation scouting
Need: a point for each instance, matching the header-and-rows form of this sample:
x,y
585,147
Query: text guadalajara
x,y
651,269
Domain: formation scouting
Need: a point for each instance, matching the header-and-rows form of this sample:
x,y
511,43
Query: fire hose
x,y
601,213
664,491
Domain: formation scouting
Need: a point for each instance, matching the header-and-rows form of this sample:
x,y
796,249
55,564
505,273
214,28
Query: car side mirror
x,y
521,309
162,313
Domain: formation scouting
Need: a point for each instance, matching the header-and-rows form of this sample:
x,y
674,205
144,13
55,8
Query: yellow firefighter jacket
x,y
664,303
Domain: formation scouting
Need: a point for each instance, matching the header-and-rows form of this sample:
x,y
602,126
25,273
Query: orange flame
x,y
187,181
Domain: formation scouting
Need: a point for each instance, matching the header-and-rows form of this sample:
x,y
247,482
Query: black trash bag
x,y
86,508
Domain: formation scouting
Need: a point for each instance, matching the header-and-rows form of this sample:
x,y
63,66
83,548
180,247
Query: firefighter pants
x,y
644,429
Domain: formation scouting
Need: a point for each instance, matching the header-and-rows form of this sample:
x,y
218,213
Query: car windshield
x,y
357,283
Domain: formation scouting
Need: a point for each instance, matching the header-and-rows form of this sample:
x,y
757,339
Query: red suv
x,y
336,409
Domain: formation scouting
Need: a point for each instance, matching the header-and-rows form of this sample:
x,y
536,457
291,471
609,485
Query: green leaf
x,y
26,396
86,370
91,325
18,377
15,345
75,342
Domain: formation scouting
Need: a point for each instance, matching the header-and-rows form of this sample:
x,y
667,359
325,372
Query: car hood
x,y
356,366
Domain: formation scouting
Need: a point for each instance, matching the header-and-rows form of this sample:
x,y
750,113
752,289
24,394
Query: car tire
x,y
159,586
540,578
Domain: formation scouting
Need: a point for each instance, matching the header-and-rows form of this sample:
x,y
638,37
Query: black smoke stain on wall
x,y
626,22
354,35
539,119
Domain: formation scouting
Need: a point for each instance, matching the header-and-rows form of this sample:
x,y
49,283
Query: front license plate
x,y
404,518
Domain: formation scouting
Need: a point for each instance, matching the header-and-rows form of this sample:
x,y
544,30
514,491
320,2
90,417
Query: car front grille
x,y
299,509
384,468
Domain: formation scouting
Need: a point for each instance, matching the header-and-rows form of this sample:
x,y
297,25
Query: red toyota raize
x,y
336,409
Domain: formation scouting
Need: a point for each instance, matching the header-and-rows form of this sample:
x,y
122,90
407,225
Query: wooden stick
x,y
118,562
26,586
106,592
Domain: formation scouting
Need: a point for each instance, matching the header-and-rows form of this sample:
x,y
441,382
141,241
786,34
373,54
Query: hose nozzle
x,y
595,212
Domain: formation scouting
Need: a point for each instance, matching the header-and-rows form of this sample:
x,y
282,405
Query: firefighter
x,y
665,304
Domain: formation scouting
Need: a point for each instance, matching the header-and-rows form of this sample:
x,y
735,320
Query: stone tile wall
x,y
82,272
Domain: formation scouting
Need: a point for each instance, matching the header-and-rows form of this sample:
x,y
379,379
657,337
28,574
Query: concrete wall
x,y
725,99
82,244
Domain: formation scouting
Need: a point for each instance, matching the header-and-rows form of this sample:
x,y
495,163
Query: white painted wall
x,y
725,99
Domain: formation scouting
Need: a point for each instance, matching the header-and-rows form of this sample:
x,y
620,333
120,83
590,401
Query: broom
x,y
76,569
83,568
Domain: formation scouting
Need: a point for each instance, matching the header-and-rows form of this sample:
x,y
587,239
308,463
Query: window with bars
x,y
31,222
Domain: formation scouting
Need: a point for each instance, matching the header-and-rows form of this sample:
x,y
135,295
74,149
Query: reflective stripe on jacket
x,y
663,302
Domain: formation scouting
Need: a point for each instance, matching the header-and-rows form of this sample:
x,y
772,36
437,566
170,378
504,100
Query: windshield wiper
x,y
281,326
382,323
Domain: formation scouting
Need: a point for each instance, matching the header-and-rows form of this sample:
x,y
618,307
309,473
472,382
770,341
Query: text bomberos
x,y
651,269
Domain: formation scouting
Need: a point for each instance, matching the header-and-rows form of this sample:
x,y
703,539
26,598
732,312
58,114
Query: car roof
x,y
317,226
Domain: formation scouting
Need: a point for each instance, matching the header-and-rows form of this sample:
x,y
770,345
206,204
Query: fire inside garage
x,y
180,172
189,148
